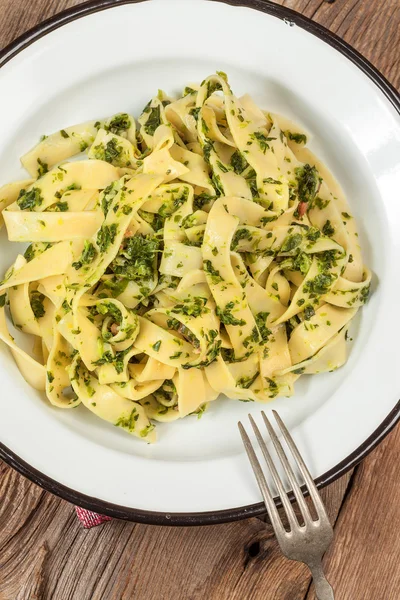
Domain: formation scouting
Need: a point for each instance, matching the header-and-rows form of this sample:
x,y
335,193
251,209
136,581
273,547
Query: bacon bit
x,y
114,328
128,234
301,209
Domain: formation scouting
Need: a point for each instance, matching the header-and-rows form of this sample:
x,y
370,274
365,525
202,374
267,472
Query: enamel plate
x,y
109,56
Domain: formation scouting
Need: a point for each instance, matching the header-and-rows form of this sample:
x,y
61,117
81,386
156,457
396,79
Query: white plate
x,y
106,58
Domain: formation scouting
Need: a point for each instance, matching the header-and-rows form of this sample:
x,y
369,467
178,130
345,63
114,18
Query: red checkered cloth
x,y
90,519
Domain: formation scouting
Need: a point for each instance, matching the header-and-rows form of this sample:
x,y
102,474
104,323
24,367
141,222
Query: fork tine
x,y
312,488
278,482
288,470
269,501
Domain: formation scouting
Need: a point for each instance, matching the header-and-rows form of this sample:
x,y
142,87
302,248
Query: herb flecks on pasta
x,y
201,250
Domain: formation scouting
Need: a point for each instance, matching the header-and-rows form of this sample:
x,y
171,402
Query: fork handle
x,y
323,589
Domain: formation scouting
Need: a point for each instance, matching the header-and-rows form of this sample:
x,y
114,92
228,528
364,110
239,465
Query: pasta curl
x,y
202,250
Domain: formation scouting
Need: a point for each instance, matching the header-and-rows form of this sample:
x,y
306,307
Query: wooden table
x,y
45,554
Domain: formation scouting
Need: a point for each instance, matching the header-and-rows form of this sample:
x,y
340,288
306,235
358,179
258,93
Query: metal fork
x,y
306,543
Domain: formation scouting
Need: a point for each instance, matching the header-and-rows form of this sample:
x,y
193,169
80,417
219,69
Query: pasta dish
x,y
202,250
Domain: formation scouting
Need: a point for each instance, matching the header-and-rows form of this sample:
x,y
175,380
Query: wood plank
x,y
16,17
372,28
362,562
45,551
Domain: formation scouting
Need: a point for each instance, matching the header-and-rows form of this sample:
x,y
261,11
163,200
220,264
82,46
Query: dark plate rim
x,y
253,510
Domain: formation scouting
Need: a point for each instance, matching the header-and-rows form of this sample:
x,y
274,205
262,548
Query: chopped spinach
x,y
299,138
108,195
328,229
106,236
245,382
129,421
319,203
29,200
313,234
120,123
88,255
195,112
307,182
36,300
302,263
42,168
61,207
226,316
153,120
202,200
320,284
262,140
240,234
238,162
291,242
116,285
214,274
191,307
135,260
111,152
188,90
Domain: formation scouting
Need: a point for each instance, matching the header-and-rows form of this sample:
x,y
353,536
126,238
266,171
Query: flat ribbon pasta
x,y
203,251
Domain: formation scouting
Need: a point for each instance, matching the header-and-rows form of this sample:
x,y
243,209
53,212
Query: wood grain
x,y
363,561
45,554
45,551
370,26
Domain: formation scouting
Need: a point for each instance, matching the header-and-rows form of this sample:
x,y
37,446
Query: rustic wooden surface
x,y
46,555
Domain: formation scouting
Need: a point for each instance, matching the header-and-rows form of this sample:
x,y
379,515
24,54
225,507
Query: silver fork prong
x,y
262,483
312,488
288,470
278,482
305,544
